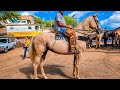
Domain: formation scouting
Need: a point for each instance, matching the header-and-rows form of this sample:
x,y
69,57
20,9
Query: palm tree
x,y
9,15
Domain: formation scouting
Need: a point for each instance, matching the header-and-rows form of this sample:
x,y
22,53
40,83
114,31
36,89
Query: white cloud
x,y
45,11
28,12
103,22
114,25
101,14
78,14
113,21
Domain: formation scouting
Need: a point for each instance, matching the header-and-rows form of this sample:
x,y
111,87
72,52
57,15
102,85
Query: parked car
x,y
6,44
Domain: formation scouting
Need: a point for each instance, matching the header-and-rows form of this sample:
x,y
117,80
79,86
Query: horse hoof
x,y
77,77
46,78
36,78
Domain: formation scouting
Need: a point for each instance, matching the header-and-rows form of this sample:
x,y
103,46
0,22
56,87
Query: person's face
x,y
61,12
26,37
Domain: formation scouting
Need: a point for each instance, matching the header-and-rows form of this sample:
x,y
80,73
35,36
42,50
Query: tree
x,y
9,15
38,20
71,21
49,23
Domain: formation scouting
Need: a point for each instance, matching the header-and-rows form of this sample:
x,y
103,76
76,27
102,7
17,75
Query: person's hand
x,y
69,27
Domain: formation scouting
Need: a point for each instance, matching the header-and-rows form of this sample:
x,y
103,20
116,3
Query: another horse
x,y
94,36
115,34
41,43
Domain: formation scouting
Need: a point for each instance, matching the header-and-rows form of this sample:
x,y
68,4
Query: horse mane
x,y
82,21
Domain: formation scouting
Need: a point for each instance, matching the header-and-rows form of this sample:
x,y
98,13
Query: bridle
x,y
95,21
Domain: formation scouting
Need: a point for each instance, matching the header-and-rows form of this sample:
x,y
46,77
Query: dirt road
x,y
96,64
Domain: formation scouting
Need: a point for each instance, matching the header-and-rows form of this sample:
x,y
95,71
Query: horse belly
x,y
61,46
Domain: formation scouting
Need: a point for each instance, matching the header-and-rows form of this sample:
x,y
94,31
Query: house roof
x,y
2,23
3,30
12,24
28,17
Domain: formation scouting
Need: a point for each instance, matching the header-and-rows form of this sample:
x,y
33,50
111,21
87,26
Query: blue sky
x,y
108,19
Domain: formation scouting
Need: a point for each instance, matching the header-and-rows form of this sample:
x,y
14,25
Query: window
x,y
23,21
28,21
11,28
3,40
18,21
29,27
36,27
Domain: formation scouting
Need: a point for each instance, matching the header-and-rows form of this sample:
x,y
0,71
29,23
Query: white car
x,y
6,44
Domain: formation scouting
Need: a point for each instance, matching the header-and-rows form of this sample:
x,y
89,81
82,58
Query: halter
x,y
95,20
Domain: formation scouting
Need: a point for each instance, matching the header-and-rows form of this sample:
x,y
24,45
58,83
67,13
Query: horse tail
x,y
31,51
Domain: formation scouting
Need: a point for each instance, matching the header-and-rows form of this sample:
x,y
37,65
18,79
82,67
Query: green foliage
x,y
91,30
71,21
9,15
49,23
38,20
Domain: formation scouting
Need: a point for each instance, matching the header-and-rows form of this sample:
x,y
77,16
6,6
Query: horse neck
x,y
83,25
79,26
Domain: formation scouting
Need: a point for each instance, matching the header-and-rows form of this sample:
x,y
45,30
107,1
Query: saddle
x,y
83,38
59,36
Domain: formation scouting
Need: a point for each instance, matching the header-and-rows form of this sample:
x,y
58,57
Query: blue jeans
x,y
25,50
63,30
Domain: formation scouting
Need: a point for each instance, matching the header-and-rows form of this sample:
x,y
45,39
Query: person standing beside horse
x,y
65,30
105,37
27,43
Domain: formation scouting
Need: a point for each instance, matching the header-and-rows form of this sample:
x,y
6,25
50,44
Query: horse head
x,y
94,22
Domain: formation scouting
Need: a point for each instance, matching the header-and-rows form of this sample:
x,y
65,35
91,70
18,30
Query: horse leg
x,y
99,41
91,44
76,66
42,63
112,42
96,42
119,43
35,65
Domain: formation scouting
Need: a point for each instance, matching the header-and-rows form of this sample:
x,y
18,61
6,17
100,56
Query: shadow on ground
x,y
49,69
107,49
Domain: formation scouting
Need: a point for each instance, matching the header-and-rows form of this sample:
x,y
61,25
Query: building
x,y
27,18
3,30
21,30
24,26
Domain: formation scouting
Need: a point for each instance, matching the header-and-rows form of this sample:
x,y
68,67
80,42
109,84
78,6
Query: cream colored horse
x,y
41,43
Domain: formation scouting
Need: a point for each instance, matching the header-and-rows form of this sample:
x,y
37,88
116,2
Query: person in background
x,y
105,37
27,43
16,40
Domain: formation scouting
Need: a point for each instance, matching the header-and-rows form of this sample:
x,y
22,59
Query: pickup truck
x,y
6,44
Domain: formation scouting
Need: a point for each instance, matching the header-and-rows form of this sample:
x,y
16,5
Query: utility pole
x,y
51,24
73,19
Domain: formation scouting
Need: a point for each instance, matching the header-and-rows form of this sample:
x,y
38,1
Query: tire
x,y
6,50
14,47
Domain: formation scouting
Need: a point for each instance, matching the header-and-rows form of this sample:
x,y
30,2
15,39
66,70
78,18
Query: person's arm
x,y
63,25
58,19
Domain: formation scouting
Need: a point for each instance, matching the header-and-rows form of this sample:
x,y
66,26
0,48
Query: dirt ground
x,y
103,63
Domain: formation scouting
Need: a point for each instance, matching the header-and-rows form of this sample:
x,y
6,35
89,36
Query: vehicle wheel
x,y
14,47
6,50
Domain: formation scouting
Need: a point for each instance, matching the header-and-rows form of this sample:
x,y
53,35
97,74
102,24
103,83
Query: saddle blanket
x,y
59,38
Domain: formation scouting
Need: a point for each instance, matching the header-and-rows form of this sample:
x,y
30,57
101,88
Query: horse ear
x,y
96,14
